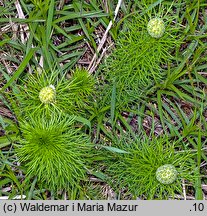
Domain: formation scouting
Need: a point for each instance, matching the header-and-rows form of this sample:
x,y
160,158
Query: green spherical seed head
x,y
156,27
47,94
166,174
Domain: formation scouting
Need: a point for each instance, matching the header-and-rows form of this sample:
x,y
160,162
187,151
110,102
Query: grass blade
x,y
20,69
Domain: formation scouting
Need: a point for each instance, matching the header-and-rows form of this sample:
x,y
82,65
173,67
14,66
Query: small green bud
x,y
47,94
166,174
156,27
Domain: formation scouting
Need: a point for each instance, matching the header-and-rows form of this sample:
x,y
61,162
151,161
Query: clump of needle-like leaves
x,y
54,151
151,168
142,51
53,92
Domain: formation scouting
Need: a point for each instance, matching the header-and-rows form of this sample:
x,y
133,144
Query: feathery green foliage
x,y
51,92
54,151
83,87
136,63
136,169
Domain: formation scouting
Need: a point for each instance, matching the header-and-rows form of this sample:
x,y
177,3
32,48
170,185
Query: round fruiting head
x,y
47,94
156,27
166,174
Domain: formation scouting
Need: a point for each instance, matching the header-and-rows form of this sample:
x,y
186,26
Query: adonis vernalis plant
x,y
54,151
144,46
151,167
52,92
